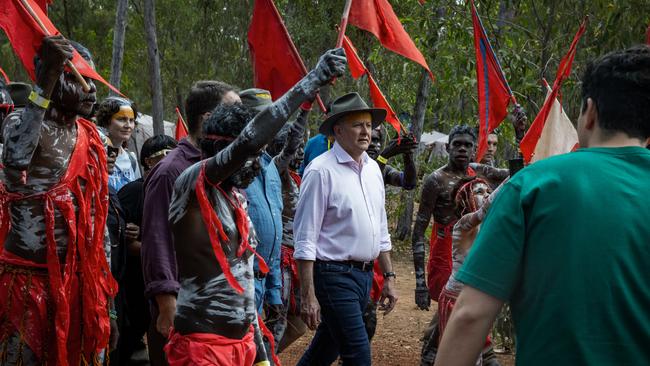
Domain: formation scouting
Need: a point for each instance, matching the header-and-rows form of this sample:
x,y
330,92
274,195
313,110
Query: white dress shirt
x,y
341,214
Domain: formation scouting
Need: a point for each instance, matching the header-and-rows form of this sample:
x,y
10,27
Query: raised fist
x,y
405,145
54,52
332,64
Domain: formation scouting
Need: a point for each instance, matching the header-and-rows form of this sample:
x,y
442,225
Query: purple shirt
x,y
158,255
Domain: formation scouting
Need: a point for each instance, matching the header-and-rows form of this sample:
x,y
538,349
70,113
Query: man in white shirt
x,y
340,229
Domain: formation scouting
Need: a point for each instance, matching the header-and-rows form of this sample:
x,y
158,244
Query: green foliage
x,y
207,39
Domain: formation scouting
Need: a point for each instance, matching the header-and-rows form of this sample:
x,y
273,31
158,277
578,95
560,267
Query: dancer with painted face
x,y
472,197
216,320
436,201
55,281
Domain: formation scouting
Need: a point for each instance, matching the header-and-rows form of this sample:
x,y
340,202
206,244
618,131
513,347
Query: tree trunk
x,y
155,81
406,218
118,44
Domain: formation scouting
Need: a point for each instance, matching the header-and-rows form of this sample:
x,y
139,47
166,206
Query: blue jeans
x,y
342,293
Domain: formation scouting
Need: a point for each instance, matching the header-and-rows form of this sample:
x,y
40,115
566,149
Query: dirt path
x,y
397,341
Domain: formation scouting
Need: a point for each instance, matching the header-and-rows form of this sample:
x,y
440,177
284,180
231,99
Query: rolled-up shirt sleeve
x,y
384,239
310,211
158,256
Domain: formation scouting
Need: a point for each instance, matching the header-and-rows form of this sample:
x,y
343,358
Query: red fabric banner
x,y
529,142
43,4
277,66
26,37
181,128
494,94
378,18
358,69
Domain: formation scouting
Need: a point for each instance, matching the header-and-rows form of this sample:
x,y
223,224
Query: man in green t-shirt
x,y
567,240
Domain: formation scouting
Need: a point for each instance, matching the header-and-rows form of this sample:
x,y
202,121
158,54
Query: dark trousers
x,y
342,292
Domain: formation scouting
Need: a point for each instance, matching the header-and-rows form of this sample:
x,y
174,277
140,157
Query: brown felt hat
x,y
346,104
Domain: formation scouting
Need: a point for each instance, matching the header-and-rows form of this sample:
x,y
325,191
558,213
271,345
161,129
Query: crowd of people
x,y
223,248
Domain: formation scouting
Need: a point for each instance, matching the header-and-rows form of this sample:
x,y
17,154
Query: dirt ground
x,y
397,341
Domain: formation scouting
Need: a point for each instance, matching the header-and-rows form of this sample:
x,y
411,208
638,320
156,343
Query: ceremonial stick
x,y
344,23
68,63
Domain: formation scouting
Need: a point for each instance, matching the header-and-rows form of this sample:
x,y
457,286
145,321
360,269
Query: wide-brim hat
x,y
347,104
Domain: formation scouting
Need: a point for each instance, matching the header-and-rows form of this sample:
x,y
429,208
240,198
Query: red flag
x,y
4,76
358,69
494,94
43,4
181,128
378,18
529,142
26,37
356,66
277,66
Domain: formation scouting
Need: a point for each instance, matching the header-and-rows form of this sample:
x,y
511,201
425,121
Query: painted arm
x,y
492,174
267,123
22,132
469,325
427,203
294,139
259,342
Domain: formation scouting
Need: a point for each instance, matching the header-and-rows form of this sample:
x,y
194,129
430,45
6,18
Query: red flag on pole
x,y
181,128
529,142
277,66
358,69
26,37
378,18
43,4
494,93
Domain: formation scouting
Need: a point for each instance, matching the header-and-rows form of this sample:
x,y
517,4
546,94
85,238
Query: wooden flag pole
x,y
344,23
68,63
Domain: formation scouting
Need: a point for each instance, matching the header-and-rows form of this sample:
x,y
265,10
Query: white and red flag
x,y
558,134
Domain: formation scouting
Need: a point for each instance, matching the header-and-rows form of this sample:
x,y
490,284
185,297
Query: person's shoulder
x,y
322,161
188,176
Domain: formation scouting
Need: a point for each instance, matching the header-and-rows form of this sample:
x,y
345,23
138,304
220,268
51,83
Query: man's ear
x,y
590,115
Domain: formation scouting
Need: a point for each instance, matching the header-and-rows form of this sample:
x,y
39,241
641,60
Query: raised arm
x,y
428,200
492,174
294,138
22,131
267,123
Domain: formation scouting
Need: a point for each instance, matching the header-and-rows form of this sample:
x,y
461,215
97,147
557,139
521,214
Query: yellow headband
x,y
125,111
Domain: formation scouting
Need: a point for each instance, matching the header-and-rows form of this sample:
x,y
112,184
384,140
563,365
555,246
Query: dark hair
x,y
153,145
225,121
204,96
276,146
111,105
461,130
619,85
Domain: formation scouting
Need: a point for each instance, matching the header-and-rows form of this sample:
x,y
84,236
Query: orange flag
x,y
358,69
181,128
26,37
378,18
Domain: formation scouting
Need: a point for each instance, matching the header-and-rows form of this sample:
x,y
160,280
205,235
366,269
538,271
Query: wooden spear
x,y
344,23
68,63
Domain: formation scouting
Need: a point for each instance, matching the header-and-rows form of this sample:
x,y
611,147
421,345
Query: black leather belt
x,y
364,266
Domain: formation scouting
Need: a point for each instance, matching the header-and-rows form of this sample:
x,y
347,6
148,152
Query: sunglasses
x,y
6,108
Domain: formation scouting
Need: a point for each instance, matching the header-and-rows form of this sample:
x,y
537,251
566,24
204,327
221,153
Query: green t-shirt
x,y
567,242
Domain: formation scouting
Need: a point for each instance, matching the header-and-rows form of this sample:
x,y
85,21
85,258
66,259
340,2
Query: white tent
x,y
435,141
144,130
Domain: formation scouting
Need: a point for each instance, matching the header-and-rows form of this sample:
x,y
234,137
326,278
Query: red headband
x,y
219,138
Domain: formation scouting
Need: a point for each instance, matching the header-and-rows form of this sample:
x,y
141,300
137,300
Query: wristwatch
x,y
389,274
